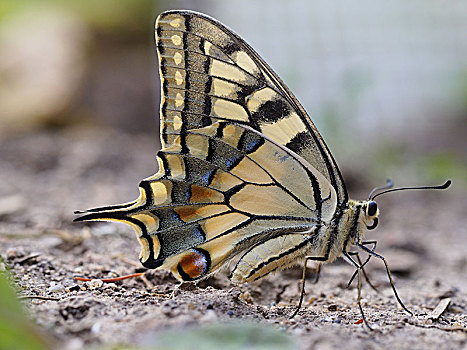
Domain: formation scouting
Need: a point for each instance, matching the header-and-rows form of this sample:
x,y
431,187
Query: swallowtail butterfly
x,y
244,176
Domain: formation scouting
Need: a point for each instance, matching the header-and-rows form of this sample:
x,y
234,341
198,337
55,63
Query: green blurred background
x,y
386,83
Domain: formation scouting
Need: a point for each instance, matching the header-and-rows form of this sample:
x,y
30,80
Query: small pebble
x,y
96,328
74,344
73,288
109,286
246,297
209,316
54,288
94,284
14,253
68,282
168,307
332,319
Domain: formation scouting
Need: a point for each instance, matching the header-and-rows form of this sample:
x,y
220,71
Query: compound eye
x,y
372,208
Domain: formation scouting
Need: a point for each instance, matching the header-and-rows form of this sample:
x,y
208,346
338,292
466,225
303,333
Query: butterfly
x,y
245,179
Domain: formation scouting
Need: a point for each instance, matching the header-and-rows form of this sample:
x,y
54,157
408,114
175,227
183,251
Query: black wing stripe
x,y
329,166
277,182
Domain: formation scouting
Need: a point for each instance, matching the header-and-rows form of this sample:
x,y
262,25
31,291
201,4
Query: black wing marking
x,y
209,73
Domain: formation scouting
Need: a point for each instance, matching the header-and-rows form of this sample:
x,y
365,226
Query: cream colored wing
x,y
243,173
225,190
208,73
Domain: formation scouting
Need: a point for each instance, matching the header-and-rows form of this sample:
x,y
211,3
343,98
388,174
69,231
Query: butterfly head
x,y
371,214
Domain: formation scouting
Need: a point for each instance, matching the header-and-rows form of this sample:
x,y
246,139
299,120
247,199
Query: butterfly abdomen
x,y
275,254
326,242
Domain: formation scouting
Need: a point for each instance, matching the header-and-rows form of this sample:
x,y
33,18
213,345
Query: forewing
x,y
209,73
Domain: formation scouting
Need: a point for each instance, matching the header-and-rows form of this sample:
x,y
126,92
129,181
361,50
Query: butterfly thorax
x,y
347,227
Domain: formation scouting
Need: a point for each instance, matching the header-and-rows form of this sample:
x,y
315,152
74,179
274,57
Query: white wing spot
x,y
178,100
207,47
177,122
176,22
178,78
176,39
284,129
178,58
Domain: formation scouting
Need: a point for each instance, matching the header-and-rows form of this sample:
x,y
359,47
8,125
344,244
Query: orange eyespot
x,y
194,265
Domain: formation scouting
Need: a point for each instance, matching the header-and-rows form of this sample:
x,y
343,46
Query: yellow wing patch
x,y
217,225
229,110
227,71
267,200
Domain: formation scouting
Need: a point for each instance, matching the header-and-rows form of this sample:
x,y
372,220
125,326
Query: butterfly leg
x,y
317,272
371,252
363,265
359,279
302,291
365,275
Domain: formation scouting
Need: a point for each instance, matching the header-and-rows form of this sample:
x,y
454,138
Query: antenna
x,y
388,184
438,187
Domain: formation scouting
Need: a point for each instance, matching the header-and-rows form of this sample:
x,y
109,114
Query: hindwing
x,y
227,190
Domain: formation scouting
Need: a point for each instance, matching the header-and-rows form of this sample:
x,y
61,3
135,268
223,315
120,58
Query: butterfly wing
x,y
243,171
221,190
209,73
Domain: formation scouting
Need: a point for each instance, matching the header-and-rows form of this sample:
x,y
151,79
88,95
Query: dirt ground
x,y
47,175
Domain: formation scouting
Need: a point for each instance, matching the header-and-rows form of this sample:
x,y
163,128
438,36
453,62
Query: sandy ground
x,y
47,175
